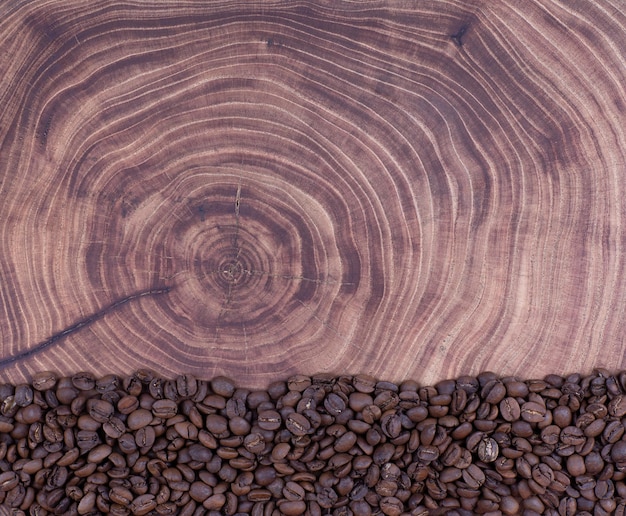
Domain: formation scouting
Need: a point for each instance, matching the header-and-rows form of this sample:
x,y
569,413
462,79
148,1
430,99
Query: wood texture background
x,y
406,189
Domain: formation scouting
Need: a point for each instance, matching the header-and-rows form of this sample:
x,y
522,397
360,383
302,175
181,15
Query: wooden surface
x,y
406,189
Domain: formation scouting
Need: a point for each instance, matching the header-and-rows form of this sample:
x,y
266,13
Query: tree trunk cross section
x,y
402,189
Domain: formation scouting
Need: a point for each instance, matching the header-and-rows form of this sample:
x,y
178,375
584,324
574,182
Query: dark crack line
x,y
81,324
237,205
458,37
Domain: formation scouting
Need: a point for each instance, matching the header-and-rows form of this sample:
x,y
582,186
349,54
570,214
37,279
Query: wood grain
x,y
405,189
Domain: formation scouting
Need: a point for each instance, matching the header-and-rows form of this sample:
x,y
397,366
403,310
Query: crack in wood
x,y
81,324
458,37
237,205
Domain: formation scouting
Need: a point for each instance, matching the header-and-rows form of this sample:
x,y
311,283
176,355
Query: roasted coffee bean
x,y
391,506
23,395
145,436
86,440
298,383
488,449
532,412
427,453
510,409
386,400
107,383
30,414
334,404
542,474
114,428
44,380
8,480
493,391
473,476
391,425
345,442
458,401
269,420
143,504
617,406
551,434
618,453
572,435
223,386
138,419
84,381
297,424
100,410
364,383
127,404
613,431
594,464
165,408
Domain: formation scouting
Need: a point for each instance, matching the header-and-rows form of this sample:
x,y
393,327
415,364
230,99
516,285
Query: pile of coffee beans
x,y
314,445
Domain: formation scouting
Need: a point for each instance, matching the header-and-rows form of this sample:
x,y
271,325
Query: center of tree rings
x,y
233,272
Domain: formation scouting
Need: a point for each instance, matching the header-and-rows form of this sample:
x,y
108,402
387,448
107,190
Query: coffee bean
x,y
107,383
138,419
239,426
542,474
8,480
391,425
488,450
143,504
568,506
269,420
223,386
594,464
386,400
100,410
23,395
613,431
165,408
84,381
532,412
127,404
617,406
372,413
259,495
550,436
493,391
364,383
334,404
114,428
473,476
298,383
510,409
391,506
572,435
44,380
427,453
145,437
297,424
618,453
217,425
